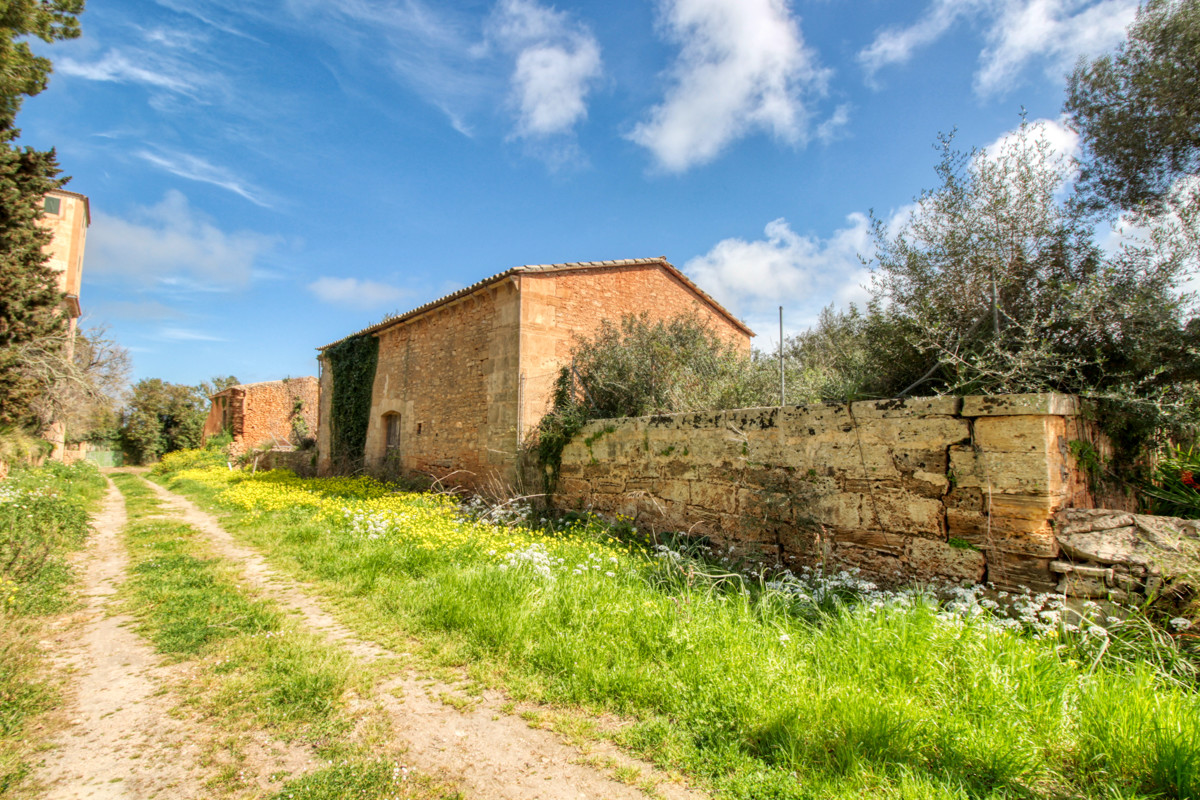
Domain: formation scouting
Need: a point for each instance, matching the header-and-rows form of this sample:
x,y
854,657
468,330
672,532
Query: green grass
x,y
190,604
761,698
257,668
43,518
369,778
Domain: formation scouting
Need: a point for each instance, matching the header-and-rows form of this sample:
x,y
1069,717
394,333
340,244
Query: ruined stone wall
x,y
557,306
451,377
268,411
219,414
260,413
963,489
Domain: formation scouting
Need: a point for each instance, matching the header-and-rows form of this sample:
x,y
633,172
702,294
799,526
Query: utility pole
x,y
782,388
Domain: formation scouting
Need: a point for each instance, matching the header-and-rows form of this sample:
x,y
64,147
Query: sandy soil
x,y
487,752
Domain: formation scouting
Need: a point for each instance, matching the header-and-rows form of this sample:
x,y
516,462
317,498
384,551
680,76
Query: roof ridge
x,y
395,319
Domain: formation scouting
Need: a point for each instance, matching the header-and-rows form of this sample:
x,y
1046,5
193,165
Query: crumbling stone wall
x,y
259,413
961,489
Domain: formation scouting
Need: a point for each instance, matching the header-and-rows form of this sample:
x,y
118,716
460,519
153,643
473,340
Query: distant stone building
x,y
462,380
67,215
284,412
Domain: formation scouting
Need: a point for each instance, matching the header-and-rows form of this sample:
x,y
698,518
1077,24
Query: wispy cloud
x,y
172,245
434,50
192,9
195,168
117,67
557,63
897,45
1017,34
188,335
743,67
355,293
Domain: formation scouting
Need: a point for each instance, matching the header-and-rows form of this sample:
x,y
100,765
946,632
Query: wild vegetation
x,y
770,685
43,517
163,417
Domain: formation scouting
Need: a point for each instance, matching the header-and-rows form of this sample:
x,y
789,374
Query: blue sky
x,y
267,177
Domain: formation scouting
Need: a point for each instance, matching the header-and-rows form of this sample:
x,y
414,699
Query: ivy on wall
x,y
352,368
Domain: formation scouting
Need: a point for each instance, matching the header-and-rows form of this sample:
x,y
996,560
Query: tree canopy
x,y
1138,109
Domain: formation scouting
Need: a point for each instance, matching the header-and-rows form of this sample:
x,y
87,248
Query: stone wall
x,y
262,413
963,489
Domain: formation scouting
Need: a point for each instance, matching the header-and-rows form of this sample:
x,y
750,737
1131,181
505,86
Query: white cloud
x,y
355,293
743,67
1062,141
173,245
557,63
1017,33
1058,31
896,45
195,168
802,273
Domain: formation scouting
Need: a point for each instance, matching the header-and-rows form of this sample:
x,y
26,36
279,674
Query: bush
x,y
639,367
189,459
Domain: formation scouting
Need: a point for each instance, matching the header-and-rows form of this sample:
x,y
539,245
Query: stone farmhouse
x,y
256,414
461,381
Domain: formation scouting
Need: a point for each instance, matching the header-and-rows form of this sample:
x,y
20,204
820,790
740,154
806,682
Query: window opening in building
x,y
53,205
419,426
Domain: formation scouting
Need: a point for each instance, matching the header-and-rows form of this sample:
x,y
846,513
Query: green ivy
x,y
352,368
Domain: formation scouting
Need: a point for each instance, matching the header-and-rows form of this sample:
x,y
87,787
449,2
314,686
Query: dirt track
x,y
126,741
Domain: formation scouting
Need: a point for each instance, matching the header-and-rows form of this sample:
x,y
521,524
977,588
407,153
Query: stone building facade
x,y
256,414
67,215
944,488
462,380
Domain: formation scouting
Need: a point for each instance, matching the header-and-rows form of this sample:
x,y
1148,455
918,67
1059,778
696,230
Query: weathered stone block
x,y
933,559
1019,433
1014,572
892,544
900,433
1024,473
1028,537
1020,404
721,498
908,407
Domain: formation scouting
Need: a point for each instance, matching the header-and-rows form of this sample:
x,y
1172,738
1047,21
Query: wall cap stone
x,y
1009,405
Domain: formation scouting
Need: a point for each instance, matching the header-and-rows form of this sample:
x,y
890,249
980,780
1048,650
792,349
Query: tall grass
x,y
43,517
762,693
